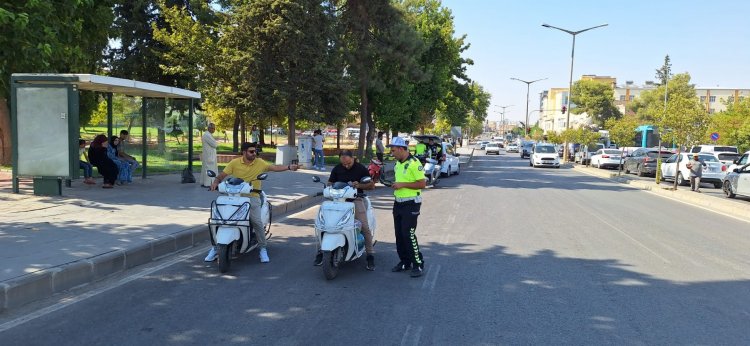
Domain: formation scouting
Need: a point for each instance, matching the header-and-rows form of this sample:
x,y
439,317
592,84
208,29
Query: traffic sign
x,y
715,136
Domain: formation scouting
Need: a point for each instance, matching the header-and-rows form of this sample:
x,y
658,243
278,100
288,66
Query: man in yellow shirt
x,y
408,185
248,167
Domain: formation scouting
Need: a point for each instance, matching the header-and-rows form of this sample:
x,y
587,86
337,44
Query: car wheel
x,y
531,164
681,180
627,171
446,174
641,173
728,190
458,169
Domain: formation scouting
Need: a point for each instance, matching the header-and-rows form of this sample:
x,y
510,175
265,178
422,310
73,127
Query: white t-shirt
x,y
318,142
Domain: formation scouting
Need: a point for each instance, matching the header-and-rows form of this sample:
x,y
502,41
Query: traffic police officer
x,y
407,187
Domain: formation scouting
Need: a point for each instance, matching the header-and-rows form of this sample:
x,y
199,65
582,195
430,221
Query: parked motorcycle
x,y
337,230
230,228
375,167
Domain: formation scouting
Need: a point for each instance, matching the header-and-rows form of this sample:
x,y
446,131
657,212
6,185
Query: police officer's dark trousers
x,y
405,216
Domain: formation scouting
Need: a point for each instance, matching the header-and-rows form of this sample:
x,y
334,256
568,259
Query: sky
x,y
708,39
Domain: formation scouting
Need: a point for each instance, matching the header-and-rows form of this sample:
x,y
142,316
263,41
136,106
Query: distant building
x,y
551,101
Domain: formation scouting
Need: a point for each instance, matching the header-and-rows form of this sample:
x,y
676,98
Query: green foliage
x,y
649,106
622,131
595,99
685,122
555,138
663,73
733,125
580,135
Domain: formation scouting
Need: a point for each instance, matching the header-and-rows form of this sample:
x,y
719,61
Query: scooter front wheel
x,y
330,264
223,257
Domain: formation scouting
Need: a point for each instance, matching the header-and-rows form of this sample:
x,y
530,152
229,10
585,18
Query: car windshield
x,y
728,157
612,152
654,154
493,145
546,149
730,149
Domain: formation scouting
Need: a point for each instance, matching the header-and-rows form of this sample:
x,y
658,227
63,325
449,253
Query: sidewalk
x,y
52,244
737,208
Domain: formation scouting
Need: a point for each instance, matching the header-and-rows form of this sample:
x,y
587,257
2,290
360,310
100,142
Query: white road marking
x,y
79,298
431,279
408,339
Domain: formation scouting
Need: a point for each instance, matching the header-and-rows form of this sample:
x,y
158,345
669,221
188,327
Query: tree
x,y
374,33
65,36
650,105
622,131
733,124
684,123
595,99
663,73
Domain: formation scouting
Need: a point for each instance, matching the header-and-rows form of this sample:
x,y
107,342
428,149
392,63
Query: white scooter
x,y
231,231
336,229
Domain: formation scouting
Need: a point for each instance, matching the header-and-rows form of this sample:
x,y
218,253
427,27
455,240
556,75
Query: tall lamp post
x,y
570,82
528,84
502,118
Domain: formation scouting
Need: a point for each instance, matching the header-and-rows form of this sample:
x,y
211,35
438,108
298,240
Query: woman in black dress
x,y
98,157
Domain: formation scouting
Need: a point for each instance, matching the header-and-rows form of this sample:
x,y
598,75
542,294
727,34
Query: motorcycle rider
x,y
248,167
407,187
351,171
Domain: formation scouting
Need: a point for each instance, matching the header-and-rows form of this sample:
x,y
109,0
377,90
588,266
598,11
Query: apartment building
x,y
552,119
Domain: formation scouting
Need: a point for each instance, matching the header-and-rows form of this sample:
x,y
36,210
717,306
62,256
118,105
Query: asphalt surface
x,y
514,255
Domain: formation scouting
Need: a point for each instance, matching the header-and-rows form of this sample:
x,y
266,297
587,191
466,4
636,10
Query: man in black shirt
x,y
350,171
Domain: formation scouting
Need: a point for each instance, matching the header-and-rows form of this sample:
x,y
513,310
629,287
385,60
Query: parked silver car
x,y
737,182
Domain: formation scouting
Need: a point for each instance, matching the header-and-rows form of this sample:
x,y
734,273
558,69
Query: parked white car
x,y
713,173
492,147
726,157
544,155
737,182
741,161
604,158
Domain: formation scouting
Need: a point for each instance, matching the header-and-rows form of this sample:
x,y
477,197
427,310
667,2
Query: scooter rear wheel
x,y
330,265
223,257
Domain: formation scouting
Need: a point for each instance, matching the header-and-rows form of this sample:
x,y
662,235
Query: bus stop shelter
x,y
45,123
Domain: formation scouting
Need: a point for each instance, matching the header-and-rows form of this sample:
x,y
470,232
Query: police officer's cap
x,y
398,142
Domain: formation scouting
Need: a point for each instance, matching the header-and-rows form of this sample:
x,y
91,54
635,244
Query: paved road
x,y
514,255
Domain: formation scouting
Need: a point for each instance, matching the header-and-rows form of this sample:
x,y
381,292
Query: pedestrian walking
x,y
379,147
696,172
407,190
319,158
208,155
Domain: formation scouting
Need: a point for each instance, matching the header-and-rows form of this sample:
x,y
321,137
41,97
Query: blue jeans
x,y
88,170
318,160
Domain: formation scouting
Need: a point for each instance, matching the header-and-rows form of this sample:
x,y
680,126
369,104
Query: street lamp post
x,y
528,84
502,118
570,81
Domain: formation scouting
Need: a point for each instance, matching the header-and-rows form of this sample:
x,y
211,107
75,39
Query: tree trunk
x,y
291,108
362,118
6,149
236,132
338,137
370,131
243,135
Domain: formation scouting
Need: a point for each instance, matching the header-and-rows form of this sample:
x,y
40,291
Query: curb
x,y
718,205
22,290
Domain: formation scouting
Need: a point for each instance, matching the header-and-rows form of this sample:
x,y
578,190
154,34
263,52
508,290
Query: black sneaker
x,y
370,262
401,266
318,260
416,271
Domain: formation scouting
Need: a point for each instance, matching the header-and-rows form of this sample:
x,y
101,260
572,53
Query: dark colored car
x,y
642,161
525,149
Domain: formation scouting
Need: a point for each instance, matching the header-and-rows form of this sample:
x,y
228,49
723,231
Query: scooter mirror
x,y
211,173
316,179
365,180
262,176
